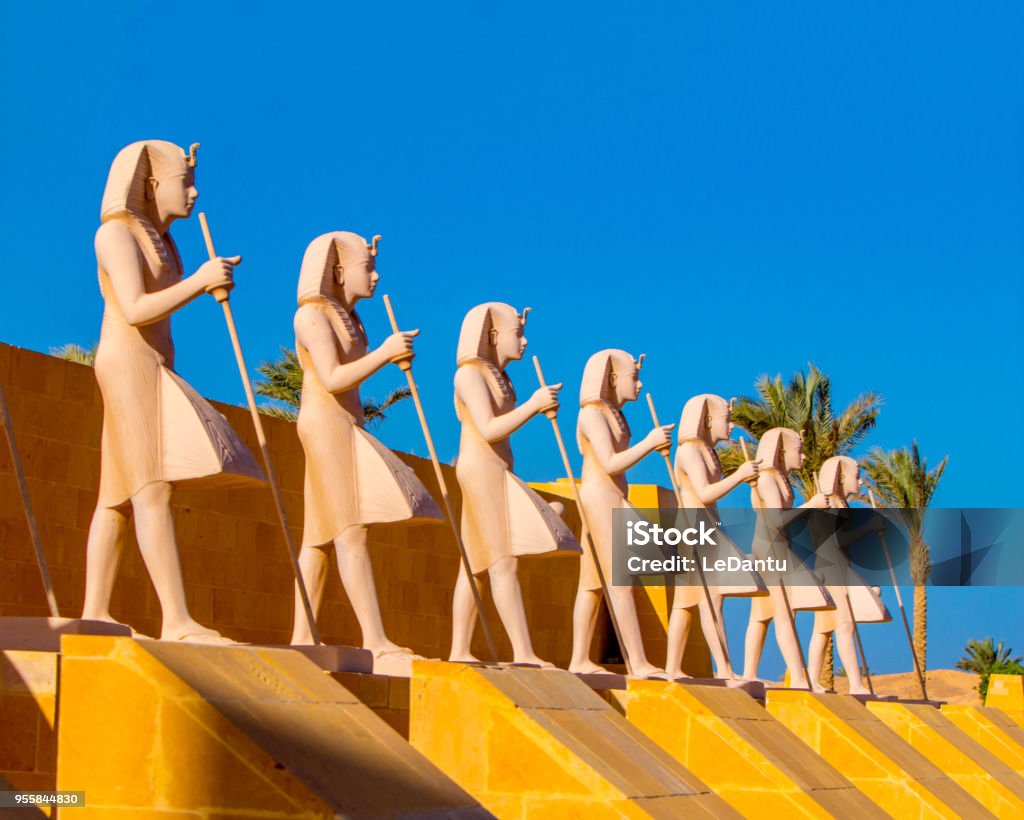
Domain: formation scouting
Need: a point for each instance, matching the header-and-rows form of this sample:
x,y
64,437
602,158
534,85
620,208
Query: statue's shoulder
x,y
114,234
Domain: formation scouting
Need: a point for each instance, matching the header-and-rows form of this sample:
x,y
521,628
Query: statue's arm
x,y
690,461
118,254
314,332
473,392
595,428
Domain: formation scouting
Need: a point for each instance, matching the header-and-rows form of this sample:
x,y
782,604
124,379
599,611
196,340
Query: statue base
x,y
335,658
43,634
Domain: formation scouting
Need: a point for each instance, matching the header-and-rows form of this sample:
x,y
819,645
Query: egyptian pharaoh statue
x,y
780,451
352,480
856,602
502,518
156,429
705,422
611,378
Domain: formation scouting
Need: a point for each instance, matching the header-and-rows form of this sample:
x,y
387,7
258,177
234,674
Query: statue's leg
x,y
464,615
846,648
678,632
816,655
714,642
508,600
584,620
154,529
357,578
788,641
313,563
623,601
757,631
103,556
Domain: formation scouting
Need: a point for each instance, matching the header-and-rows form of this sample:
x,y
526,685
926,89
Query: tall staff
x,y
585,530
406,366
759,503
846,592
700,571
221,295
26,503
899,600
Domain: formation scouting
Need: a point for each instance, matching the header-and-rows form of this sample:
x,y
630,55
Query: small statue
x,y
856,602
705,421
610,380
780,451
502,518
157,431
352,480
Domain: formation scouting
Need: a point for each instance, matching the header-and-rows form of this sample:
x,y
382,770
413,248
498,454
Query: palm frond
x,y
72,352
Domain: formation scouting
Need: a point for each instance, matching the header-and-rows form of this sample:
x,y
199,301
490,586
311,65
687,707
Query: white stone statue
x,y
838,481
610,380
502,518
352,480
157,431
705,421
780,451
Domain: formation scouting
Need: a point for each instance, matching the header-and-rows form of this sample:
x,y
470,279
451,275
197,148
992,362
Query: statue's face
x,y
721,424
358,275
173,193
509,341
794,457
627,383
851,482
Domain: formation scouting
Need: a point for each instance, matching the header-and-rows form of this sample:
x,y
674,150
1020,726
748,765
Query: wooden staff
x,y
586,532
26,503
221,295
899,600
759,503
719,630
406,366
846,596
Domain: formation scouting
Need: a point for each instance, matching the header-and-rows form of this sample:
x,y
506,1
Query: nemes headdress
x,y
697,415
774,444
476,339
601,371
322,259
837,472
134,164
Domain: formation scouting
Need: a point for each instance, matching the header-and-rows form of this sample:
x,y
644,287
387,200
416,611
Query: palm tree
x,y
72,352
985,658
282,383
902,480
804,404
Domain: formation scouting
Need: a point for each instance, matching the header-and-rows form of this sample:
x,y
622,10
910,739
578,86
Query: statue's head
x,y
153,180
705,417
339,265
839,475
611,376
493,332
782,449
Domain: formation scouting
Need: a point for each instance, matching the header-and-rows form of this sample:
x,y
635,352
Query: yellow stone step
x,y
743,753
539,742
880,763
1006,693
993,729
991,781
147,727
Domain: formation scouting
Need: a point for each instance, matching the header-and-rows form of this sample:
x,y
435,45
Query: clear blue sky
x,y
733,190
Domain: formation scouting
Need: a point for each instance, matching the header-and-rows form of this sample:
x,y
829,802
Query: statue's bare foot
x,y
858,690
463,657
650,672
392,659
192,632
533,660
821,690
107,619
588,668
676,674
